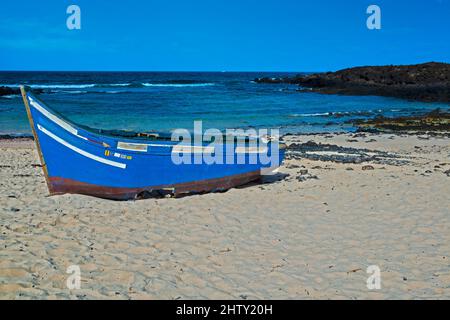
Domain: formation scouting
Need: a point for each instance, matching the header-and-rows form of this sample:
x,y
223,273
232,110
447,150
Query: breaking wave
x,y
178,85
294,115
175,84
10,96
338,114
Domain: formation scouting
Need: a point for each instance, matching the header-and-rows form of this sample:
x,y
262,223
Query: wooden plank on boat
x,y
36,139
132,146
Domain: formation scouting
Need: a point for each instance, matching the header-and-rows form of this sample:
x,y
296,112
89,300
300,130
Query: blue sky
x,y
221,35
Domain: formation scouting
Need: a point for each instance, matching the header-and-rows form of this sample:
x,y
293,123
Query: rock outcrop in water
x,y
434,121
428,82
5,91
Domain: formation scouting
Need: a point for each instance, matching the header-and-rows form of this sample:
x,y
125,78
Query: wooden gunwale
x,y
36,140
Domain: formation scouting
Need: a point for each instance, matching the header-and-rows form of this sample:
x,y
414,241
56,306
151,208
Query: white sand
x,y
286,239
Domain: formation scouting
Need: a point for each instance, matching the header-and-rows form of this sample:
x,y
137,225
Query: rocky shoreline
x,y
436,121
429,82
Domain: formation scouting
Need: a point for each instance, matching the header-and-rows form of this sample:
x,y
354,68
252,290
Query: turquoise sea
x,y
162,101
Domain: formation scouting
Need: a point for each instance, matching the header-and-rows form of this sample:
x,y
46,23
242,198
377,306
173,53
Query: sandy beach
x,y
309,232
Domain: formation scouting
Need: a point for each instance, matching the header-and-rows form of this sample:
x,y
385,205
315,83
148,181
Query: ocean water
x,y
163,101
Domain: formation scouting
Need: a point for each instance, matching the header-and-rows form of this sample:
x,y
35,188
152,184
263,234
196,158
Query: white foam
x,y
115,85
177,85
53,86
310,114
10,96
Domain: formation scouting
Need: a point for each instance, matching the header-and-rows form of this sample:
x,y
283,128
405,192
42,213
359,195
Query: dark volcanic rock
x,y
330,152
4,91
422,82
435,121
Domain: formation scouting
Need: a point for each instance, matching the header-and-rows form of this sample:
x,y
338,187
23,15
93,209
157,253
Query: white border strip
x,y
82,152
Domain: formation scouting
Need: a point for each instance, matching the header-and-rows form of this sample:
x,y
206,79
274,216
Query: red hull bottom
x,y
63,185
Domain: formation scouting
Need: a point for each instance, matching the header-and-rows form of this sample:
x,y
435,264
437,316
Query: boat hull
x,y
63,185
77,160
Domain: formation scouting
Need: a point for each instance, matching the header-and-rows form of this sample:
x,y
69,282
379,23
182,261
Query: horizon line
x,y
184,71
236,71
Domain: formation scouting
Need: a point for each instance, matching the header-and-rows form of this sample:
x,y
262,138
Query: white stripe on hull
x,y
55,119
82,152
142,147
74,131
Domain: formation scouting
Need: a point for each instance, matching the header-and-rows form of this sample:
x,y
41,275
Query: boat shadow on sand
x,y
263,180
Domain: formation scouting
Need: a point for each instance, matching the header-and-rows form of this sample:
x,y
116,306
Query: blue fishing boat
x,y
78,159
